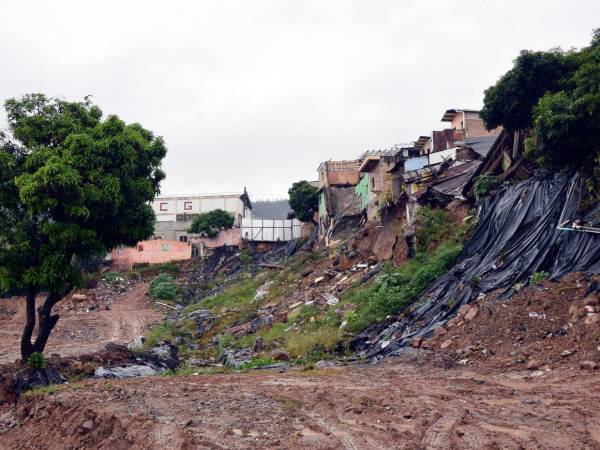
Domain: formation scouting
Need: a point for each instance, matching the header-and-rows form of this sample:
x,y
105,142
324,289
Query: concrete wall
x,y
474,127
338,173
167,209
155,251
231,237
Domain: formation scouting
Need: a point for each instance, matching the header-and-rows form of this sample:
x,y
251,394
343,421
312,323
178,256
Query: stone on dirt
x,y
204,320
588,365
130,371
136,344
279,355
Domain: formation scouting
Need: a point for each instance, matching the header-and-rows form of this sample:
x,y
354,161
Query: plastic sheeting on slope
x,y
515,236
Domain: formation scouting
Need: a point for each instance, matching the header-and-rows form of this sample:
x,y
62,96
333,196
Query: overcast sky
x,y
258,93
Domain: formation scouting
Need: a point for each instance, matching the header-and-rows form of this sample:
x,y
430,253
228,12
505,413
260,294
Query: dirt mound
x,y
389,406
551,324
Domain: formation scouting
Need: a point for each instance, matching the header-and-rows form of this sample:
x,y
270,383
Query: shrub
x,y
434,227
321,339
163,287
36,361
484,184
162,332
537,277
245,257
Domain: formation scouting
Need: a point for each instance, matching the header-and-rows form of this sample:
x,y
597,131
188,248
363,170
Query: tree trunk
x,y
26,346
46,322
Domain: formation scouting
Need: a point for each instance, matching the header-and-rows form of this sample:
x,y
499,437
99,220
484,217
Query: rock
x,y
136,344
588,365
468,350
590,301
343,262
462,311
344,324
306,272
447,343
592,318
130,371
259,345
295,305
262,291
567,353
318,280
279,355
332,300
373,260
237,432
589,309
235,358
471,314
439,331
204,320
88,425
534,364
417,342
79,297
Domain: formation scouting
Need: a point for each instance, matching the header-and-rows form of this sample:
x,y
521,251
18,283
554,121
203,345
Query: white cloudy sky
x,y
256,93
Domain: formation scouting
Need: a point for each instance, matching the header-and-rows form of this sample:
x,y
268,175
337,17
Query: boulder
x,y
471,314
259,345
439,331
279,355
534,364
592,318
128,371
79,297
136,344
447,343
588,365
204,320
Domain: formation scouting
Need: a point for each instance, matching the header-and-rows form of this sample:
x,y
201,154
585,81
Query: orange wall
x,y
233,236
151,252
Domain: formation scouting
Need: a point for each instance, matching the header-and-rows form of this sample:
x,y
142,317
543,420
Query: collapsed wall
x,y
516,235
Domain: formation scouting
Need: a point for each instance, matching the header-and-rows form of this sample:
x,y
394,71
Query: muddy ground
x,y
84,327
395,405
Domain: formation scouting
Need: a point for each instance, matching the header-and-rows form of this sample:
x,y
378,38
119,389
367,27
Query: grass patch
x,y
320,340
164,331
163,287
395,289
236,296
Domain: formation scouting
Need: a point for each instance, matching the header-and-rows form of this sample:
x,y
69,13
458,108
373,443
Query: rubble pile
x,y
106,292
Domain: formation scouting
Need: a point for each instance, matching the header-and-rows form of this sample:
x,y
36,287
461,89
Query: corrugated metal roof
x,y
271,209
481,145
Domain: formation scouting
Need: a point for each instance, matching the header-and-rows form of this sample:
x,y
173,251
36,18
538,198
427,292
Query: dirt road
x,y
391,406
80,332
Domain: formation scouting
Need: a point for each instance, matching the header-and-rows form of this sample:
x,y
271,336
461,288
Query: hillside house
x,y
271,221
155,251
337,195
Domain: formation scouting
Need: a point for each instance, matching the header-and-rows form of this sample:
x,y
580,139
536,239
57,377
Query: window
x,y
165,247
373,183
183,238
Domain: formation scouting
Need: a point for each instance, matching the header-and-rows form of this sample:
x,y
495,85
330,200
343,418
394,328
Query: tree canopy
x,y
304,200
556,95
210,223
73,185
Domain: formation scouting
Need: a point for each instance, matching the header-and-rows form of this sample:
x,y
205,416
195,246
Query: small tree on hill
x,y
210,223
304,200
73,185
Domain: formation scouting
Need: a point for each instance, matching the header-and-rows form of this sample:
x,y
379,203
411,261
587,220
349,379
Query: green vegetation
x,y
484,184
36,361
304,200
434,227
164,331
245,257
210,223
554,94
163,287
397,288
73,185
537,277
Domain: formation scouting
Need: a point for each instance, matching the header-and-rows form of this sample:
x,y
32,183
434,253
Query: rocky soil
x,y
87,323
395,405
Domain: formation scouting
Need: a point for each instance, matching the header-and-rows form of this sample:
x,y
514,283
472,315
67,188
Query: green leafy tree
x,y
210,223
556,96
304,200
511,100
73,185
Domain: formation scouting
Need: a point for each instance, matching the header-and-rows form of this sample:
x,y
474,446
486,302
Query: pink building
x,y
155,251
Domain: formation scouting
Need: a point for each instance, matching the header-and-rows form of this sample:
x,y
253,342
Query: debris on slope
x,y
516,235
546,325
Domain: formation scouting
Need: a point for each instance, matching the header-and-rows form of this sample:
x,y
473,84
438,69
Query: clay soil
x,y
394,405
80,330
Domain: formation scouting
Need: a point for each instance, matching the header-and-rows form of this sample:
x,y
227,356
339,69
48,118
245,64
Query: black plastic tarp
x,y
516,235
